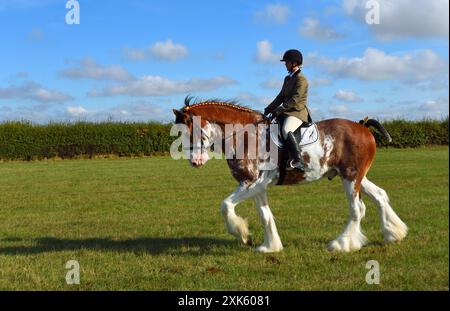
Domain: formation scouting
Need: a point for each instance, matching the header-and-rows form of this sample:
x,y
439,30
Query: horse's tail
x,y
372,122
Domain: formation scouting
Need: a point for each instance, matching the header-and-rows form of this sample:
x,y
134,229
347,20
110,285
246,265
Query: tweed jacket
x,y
293,95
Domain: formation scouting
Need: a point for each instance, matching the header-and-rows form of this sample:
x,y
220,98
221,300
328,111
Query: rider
x,y
291,103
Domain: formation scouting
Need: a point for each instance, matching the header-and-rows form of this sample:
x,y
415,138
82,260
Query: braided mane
x,y
215,103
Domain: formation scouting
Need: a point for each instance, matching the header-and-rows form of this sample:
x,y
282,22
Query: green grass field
x,y
155,224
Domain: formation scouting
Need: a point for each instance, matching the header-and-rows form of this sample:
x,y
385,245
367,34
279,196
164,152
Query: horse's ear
x,y
180,117
178,114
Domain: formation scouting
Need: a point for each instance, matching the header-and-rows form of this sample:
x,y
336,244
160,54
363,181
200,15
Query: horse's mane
x,y
191,103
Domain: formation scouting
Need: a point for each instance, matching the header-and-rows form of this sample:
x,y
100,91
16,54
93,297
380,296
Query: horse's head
x,y
201,136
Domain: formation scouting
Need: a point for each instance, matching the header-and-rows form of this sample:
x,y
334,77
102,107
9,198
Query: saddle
x,y
306,134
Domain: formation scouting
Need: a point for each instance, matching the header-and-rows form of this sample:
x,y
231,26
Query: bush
x,y
414,133
27,141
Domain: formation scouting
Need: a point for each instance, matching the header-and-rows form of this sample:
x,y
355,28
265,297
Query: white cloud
x,y
76,111
311,28
168,51
377,65
273,13
433,85
137,111
264,53
273,83
25,113
319,82
339,110
159,86
43,95
89,69
135,54
404,18
429,105
435,109
132,111
347,96
33,91
254,101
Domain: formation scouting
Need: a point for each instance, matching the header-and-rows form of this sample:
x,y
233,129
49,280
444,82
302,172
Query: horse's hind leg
x,y
351,239
394,229
272,241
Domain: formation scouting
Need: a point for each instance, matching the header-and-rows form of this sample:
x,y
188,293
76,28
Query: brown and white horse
x,y
345,148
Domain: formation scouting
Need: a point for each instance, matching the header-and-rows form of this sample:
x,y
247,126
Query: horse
x,y
345,148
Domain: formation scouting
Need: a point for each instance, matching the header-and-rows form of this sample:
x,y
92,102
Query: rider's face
x,y
289,66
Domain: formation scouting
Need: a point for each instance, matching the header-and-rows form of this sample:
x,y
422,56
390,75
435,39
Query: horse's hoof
x,y
346,244
265,249
249,241
334,246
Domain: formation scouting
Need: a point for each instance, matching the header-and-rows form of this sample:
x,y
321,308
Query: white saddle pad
x,y
310,135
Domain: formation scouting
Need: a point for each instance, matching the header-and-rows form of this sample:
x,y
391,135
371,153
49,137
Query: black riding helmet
x,y
293,56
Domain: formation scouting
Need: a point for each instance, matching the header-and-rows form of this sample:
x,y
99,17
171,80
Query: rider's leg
x,y
290,125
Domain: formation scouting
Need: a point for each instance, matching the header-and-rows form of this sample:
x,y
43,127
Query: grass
x,y
155,224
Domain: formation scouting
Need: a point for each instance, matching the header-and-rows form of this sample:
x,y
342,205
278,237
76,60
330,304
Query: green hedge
x,y
414,133
27,141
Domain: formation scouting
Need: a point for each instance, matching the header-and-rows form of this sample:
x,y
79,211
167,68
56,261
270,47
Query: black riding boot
x,y
294,151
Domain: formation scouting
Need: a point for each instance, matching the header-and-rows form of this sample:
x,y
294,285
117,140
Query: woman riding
x,y
291,104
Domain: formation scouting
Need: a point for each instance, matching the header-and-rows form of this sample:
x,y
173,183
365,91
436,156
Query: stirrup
x,y
296,165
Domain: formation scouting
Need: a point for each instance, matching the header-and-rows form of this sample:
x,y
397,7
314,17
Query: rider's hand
x,y
281,108
267,112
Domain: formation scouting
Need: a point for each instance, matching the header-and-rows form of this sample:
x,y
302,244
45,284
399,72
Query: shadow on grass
x,y
154,246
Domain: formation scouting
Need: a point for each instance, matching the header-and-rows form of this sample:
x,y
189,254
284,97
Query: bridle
x,y
203,132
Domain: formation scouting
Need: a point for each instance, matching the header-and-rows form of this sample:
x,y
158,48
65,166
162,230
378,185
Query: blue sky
x,y
136,60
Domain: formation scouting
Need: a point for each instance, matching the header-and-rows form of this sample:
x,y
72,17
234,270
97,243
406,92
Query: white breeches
x,y
290,125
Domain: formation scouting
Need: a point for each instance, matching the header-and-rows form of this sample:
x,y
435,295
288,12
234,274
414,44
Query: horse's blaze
x,y
199,158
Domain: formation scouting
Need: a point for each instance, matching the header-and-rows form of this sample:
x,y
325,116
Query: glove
x,y
267,112
280,109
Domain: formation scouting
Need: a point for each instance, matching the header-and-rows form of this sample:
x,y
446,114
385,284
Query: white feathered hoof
x,y
347,244
395,232
269,249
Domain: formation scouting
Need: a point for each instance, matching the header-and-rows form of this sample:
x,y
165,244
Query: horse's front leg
x,y
235,224
272,241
